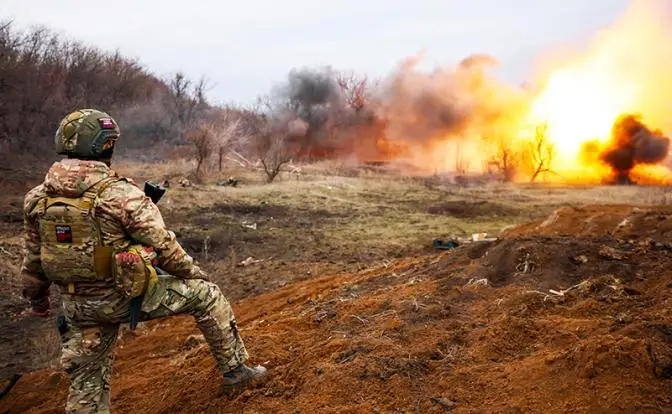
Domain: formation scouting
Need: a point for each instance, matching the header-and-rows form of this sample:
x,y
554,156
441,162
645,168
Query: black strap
x,y
12,383
136,308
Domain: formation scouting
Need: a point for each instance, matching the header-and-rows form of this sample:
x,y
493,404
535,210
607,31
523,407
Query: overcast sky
x,y
244,47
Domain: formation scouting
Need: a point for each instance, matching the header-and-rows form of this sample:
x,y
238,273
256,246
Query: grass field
x,y
333,218
329,218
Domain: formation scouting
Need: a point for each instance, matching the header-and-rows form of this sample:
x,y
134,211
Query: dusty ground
x,y
354,312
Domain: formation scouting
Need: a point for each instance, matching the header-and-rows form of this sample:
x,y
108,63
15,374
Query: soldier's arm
x,y
33,280
143,222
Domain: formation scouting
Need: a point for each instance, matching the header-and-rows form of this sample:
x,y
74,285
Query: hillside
x,y
475,329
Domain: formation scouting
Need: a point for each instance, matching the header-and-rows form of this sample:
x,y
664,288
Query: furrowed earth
x,y
339,292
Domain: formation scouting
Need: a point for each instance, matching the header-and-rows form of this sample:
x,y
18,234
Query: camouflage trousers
x,y
88,346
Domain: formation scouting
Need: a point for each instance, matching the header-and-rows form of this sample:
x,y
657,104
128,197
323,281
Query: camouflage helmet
x,y
87,134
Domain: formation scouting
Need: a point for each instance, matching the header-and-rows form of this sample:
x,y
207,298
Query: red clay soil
x,y
476,330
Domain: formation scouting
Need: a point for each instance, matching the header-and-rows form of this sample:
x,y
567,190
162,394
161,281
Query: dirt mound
x,y
570,316
557,262
624,222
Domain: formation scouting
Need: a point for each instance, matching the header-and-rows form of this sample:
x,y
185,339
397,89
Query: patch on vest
x,y
64,234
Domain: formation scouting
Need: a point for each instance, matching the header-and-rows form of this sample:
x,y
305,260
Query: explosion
x,y
585,121
597,104
599,114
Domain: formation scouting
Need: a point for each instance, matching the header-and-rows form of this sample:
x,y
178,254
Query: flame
x,y
624,70
466,120
581,103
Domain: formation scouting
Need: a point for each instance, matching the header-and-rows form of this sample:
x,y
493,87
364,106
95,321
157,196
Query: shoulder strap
x,y
93,194
95,191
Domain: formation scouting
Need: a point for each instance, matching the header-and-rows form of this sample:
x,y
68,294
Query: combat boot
x,y
243,375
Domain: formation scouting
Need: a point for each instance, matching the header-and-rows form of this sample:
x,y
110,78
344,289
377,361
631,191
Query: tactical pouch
x,y
134,279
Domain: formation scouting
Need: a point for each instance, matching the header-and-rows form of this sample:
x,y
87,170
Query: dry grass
x,y
322,222
330,217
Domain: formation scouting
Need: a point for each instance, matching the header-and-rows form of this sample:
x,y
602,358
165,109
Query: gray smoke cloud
x,y
312,108
311,95
409,108
446,102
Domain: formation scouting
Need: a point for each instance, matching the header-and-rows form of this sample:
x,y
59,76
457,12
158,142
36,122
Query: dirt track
x,y
428,335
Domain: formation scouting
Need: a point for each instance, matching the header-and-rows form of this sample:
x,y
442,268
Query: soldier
x,y
81,227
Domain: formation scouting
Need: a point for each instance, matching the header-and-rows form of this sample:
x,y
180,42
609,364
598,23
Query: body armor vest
x,y
71,242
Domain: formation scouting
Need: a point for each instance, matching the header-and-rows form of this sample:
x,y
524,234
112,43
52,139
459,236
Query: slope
x,y
476,329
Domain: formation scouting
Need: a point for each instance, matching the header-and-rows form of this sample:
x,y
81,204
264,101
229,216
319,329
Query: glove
x,y
197,273
41,307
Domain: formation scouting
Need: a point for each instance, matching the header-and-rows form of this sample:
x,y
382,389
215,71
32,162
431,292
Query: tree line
x,y
315,114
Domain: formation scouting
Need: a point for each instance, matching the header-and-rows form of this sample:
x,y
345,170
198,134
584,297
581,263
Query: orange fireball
x,y
624,71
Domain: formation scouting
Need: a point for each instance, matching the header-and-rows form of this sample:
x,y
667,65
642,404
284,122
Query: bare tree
x,y
541,152
272,149
185,99
506,161
355,90
225,129
203,142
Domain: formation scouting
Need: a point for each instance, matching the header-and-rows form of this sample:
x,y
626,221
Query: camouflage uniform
x,y
95,310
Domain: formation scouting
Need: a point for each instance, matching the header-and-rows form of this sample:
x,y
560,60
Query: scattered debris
x,y
250,261
455,242
526,265
478,237
324,314
247,225
612,253
183,182
445,245
230,182
580,259
359,318
447,404
623,223
478,282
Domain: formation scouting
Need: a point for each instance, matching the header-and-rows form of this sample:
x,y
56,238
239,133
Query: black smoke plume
x,y
633,143
314,99
311,95
409,110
